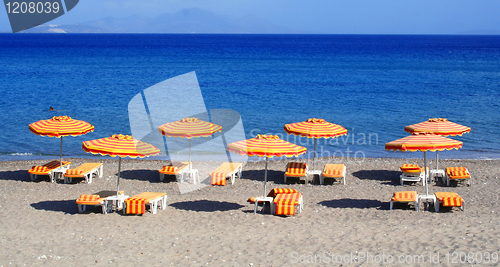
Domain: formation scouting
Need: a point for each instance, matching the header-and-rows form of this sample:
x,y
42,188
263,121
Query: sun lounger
x,y
173,169
137,203
284,204
296,169
448,199
413,173
409,197
457,174
49,169
333,171
86,170
282,201
97,199
226,170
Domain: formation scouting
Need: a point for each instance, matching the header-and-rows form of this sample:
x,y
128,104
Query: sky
x,y
316,16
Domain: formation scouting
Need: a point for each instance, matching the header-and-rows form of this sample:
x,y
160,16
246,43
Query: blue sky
x,y
316,16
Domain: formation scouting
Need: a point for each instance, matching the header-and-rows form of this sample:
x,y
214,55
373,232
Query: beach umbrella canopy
x,y
59,126
423,142
315,128
439,126
122,146
266,146
189,127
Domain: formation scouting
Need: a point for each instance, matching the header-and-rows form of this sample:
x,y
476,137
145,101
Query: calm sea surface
x,y
373,85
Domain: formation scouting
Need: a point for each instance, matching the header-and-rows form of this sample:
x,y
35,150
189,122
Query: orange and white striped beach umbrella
x,y
439,126
122,146
423,142
59,126
315,128
266,146
189,127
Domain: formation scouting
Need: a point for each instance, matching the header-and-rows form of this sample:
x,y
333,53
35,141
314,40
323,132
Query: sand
x,y
341,225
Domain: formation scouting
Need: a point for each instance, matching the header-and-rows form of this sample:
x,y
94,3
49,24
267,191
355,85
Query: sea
x,y
373,85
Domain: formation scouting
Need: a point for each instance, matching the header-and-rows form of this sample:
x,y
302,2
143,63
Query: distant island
x,y
192,20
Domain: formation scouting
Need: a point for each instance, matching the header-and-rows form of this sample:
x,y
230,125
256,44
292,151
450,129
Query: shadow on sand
x,y
389,177
206,205
354,203
66,206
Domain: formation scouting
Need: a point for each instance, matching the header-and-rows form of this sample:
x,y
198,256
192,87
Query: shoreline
x,y
215,225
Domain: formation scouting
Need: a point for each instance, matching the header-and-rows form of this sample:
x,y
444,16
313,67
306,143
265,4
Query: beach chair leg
x,y
164,202
152,206
162,177
391,205
301,204
436,205
284,178
32,177
106,207
100,171
344,179
81,208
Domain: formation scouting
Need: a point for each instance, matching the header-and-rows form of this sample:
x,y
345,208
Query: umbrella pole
x,y
60,161
118,180
190,167
265,178
426,181
314,156
437,162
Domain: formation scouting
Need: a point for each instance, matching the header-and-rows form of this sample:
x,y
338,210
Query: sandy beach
x,y
341,225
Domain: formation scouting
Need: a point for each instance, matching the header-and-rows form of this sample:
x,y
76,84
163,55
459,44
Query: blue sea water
x,y
373,85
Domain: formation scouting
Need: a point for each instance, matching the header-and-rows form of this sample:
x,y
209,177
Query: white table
x,y
313,172
193,173
264,200
116,201
436,173
426,198
58,173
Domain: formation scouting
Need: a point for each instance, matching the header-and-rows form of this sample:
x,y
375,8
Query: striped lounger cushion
x,y
457,172
296,169
81,170
89,200
449,199
285,203
174,169
46,168
218,176
405,196
410,168
135,205
278,191
334,170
